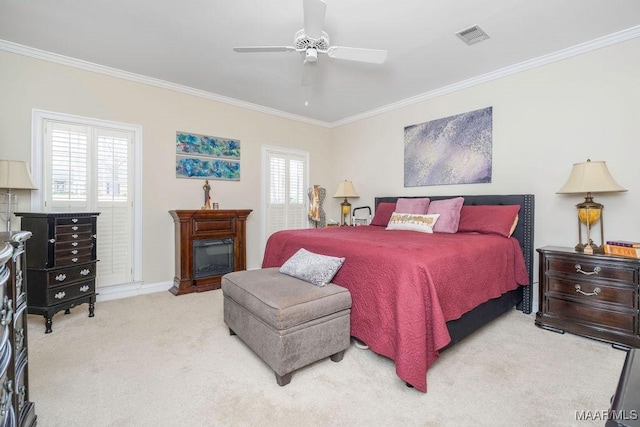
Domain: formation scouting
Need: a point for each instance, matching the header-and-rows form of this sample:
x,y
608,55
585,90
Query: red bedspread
x,y
406,285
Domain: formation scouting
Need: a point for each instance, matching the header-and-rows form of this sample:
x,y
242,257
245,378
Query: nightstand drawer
x,y
595,292
610,319
593,269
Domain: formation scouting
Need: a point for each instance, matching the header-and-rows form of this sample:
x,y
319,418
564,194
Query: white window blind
x,y
88,168
285,191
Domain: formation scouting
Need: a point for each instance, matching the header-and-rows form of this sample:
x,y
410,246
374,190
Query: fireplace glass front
x,y
212,257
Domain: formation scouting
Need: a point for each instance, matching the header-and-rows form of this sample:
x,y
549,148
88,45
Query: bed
x,y
416,294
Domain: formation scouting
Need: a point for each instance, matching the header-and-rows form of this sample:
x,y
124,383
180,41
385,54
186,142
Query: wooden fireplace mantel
x,y
191,225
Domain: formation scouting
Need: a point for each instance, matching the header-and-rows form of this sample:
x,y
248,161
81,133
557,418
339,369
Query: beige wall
x,y
544,120
27,84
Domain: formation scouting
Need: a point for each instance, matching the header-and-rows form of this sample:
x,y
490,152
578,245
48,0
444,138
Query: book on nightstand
x,y
622,251
625,243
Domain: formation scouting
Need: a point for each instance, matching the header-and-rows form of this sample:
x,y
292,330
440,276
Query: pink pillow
x,y
492,219
413,206
449,210
383,213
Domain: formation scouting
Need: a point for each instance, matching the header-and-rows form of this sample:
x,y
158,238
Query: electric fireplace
x,y
212,257
209,243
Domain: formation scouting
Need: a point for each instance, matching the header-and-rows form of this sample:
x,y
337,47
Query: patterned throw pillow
x,y
422,223
311,267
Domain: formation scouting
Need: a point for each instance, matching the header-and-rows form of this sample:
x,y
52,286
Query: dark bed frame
x,y
520,297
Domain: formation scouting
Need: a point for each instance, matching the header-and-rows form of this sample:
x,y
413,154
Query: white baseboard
x,y
130,290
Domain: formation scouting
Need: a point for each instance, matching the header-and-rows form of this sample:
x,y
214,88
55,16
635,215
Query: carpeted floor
x,y
162,360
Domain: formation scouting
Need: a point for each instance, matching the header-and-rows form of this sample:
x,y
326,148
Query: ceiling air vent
x,y
472,35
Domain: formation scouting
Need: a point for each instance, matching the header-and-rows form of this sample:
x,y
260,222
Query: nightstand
x,y
595,296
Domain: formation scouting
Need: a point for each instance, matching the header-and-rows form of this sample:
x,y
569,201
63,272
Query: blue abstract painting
x,y
451,150
202,145
207,157
207,168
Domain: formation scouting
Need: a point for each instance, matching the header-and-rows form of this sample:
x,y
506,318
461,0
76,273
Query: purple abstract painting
x,y
451,150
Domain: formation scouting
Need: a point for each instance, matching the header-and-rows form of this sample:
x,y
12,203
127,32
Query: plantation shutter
x,y
114,222
285,188
88,168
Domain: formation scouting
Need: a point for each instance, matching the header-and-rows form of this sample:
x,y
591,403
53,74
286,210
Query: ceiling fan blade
x,y
246,49
314,11
309,73
374,56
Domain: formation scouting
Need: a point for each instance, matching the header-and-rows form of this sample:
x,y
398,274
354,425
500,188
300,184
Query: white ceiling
x,y
188,43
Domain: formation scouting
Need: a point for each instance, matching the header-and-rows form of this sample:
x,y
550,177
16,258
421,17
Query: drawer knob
x,y
84,288
595,292
579,269
52,240
60,295
75,236
74,228
74,259
74,243
74,220
75,252
61,277
85,272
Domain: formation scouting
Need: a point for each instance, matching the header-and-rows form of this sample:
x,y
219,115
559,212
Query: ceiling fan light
x,y
311,55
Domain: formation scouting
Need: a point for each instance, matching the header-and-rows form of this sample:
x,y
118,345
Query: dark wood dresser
x,y
215,228
61,262
16,408
591,295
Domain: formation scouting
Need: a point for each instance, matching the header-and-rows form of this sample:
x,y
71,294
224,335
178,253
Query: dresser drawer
x,y
68,275
579,269
74,220
596,291
66,293
603,318
63,249
73,259
73,237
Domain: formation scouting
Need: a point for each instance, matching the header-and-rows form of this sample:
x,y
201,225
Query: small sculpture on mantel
x,y
207,195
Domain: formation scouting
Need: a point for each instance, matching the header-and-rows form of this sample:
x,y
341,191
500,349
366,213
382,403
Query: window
x,y
285,177
87,165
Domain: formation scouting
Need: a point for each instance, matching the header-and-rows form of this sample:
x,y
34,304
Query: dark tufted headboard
x,y
523,231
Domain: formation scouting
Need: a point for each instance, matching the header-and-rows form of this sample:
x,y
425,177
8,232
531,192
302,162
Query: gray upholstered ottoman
x,y
288,322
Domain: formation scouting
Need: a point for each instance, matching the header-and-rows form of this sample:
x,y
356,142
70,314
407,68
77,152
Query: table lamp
x,y
346,190
590,177
14,175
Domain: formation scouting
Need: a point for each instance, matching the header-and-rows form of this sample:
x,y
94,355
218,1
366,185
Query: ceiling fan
x,y
311,41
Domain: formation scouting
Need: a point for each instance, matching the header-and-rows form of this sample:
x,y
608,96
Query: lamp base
x,y
345,210
8,205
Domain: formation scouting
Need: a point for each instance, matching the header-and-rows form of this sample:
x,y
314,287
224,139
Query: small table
x,y
625,407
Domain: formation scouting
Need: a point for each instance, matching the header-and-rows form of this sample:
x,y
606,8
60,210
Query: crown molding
x,y
560,55
138,78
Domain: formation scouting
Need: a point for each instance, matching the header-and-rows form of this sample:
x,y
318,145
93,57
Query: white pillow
x,y
311,267
414,222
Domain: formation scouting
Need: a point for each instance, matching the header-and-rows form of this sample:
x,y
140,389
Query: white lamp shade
x,y
590,177
346,189
14,175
